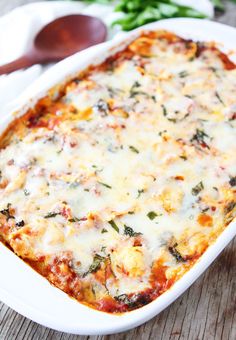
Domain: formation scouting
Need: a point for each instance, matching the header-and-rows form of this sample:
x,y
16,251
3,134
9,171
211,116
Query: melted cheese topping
x,y
116,187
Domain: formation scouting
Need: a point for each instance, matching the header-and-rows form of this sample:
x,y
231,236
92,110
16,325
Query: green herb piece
x,y
200,137
131,212
104,231
74,219
6,212
133,301
154,99
197,189
219,98
130,232
96,265
176,254
151,215
114,225
74,185
232,181
51,214
160,133
59,151
20,223
102,107
140,191
123,298
183,74
105,185
134,90
132,148
138,12
183,157
164,110
26,192
173,120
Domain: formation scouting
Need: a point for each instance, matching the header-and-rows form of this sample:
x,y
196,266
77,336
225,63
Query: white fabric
x,y
18,28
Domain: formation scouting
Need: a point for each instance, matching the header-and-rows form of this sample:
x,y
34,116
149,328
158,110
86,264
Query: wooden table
x,y
207,310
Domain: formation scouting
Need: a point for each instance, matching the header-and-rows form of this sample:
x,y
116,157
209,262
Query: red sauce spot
x,y
228,64
110,305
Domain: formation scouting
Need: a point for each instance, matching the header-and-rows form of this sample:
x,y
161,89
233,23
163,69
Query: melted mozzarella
x,y
157,150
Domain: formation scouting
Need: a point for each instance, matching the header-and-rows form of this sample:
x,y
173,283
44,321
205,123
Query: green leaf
x,y
130,232
96,264
148,15
151,215
51,214
189,12
168,10
114,225
175,253
132,148
105,185
197,189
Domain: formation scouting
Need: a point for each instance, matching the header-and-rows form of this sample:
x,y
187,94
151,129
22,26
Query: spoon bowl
x,y
68,35
60,39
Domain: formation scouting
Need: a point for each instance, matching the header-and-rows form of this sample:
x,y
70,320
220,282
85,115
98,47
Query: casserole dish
x,y
119,322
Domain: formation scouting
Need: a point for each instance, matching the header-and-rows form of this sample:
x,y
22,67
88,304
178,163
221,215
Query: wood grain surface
x,y
207,310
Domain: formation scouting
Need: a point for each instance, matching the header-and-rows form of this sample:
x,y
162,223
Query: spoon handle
x,y
22,62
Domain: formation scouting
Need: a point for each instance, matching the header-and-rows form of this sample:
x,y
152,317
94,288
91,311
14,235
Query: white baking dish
x,y
28,292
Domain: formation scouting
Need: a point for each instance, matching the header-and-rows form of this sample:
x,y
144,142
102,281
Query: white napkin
x,y
18,28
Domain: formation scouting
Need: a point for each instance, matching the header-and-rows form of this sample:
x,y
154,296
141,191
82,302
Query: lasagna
x,y
113,185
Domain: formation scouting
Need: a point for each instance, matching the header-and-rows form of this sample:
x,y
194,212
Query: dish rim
x,y
103,323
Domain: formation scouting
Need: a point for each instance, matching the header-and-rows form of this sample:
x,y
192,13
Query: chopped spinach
x,y
130,232
114,225
197,189
134,301
219,98
74,185
74,219
51,214
135,91
26,192
105,185
175,253
164,110
132,148
20,223
200,138
152,215
102,107
183,74
96,265
140,191
183,157
6,212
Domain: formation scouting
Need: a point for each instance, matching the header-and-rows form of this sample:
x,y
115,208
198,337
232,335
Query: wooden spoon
x,y
59,39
